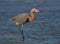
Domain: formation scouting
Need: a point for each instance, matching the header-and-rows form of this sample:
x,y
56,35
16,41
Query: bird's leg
x,y
19,27
22,33
21,30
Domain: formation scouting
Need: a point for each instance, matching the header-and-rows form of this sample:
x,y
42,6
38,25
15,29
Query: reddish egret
x,y
24,18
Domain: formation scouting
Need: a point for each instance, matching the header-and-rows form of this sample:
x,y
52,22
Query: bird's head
x,y
35,10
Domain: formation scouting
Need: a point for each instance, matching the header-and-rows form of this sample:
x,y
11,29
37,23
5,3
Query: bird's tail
x,y
11,19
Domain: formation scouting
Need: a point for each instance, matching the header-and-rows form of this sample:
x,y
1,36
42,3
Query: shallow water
x,y
44,30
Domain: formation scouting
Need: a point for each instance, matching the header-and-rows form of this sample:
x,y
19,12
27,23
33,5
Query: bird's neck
x,y
32,15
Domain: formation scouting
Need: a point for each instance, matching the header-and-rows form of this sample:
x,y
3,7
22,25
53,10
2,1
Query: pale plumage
x,y
20,19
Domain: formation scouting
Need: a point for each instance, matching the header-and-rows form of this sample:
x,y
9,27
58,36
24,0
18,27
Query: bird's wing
x,y
20,18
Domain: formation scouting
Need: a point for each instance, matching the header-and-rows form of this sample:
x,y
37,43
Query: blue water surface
x,y
44,30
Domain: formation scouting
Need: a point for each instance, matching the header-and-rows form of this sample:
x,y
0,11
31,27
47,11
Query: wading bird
x,y
24,18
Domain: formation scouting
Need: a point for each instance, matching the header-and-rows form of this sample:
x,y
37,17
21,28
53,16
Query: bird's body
x,y
20,19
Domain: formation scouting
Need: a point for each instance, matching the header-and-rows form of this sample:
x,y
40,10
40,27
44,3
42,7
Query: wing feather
x,y
20,18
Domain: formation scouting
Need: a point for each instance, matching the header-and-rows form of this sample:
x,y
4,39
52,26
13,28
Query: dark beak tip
x,y
41,11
